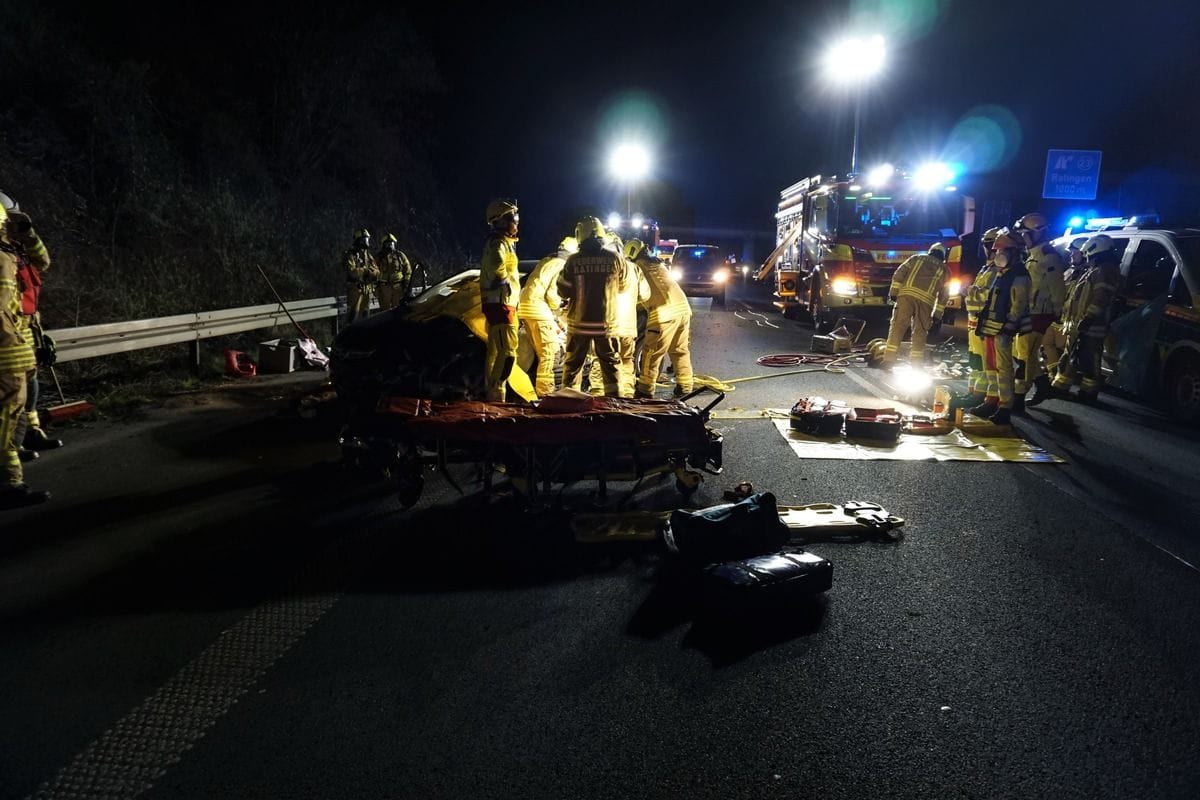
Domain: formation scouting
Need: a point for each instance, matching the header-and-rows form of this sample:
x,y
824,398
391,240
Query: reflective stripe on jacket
x,y
922,277
1007,307
1048,290
16,346
593,280
667,301
499,282
977,292
539,296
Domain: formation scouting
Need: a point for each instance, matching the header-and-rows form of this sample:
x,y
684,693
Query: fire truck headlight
x,y
677,273
954,287
721,275
845,286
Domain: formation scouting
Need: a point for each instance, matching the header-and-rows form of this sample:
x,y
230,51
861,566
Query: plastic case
x,y
881,424
817,416
277,355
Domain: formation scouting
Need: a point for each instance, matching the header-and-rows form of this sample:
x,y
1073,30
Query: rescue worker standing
x,y
499,293
592,280
919,291
539,308
17,359
1003,316
32,260
362,273
668,325
976,297
1086,318
1045,266
395,273
1055,344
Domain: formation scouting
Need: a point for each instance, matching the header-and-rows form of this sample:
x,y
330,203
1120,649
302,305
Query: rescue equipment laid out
x,y
817,416
882,424
727,532
562,440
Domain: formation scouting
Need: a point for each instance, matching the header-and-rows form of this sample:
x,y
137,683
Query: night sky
x,y
745,109
732,100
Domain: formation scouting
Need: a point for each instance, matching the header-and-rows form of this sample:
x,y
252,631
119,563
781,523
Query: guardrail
x,y
121,337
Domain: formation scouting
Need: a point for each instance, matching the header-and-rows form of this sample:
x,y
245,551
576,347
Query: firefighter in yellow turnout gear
x,y
593,280
1005,313
1054,343
668,324
1086,318
362,273
17,359
539,310
1047,293
499,293
919,291
976,297
395,274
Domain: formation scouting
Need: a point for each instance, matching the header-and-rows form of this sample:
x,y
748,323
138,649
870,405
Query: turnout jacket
x,y
360,267
1006,311
666,301
540,300
922,277
593,280
499,281
1048,290
16,344
1091,300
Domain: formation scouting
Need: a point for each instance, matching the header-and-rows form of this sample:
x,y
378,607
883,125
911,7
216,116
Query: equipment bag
x,y
765,581
727,532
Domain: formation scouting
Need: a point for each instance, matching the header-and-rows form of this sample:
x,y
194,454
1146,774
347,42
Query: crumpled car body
x,y
432,347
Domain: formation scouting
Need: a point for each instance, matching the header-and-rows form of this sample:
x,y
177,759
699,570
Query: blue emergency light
x,y
698,253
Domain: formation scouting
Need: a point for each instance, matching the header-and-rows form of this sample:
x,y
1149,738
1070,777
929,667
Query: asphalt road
x,y
210,608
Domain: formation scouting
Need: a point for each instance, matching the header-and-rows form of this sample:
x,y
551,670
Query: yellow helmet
x,y
634,248
499,208
588,227
990,235
1034,222
570,244
362,233
391,237
938,249
1005,241
3,215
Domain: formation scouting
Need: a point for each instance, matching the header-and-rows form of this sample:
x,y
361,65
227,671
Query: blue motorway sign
x,y
1071,175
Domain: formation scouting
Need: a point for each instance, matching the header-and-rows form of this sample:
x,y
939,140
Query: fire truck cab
x,y
840,239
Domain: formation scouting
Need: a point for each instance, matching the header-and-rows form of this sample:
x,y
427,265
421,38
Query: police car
x,y
1153,351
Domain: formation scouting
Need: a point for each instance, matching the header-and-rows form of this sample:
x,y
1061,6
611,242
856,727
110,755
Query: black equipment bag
x,y
728,532
770,580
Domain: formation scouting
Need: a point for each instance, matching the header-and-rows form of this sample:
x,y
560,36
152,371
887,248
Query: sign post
x,y
1071,175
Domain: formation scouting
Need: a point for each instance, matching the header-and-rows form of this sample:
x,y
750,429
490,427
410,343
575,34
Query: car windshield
x,y
696,256
892,215
1189,248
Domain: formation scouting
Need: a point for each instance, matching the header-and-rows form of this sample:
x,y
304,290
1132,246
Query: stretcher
x,y
602,439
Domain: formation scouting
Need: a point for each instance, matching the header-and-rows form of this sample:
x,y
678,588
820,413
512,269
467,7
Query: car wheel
x,y
719,299
1183,388
820,318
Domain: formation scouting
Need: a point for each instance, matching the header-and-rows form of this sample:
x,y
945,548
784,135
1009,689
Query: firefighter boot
x,y
1042,391
26,455
1018,406
19,495
36,439
984,410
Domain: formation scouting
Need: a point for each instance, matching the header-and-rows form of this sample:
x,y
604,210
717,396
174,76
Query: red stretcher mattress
x,y
602,419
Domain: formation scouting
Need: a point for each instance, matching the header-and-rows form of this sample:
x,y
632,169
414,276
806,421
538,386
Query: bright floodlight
x,y
855,58
629,162
614,220
933,175
636,221
880,175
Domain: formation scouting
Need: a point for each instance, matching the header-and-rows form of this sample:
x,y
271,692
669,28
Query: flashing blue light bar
x,y
698,253
1075,222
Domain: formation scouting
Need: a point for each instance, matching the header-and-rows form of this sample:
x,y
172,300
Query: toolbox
x,y
817,416
277,355
880,424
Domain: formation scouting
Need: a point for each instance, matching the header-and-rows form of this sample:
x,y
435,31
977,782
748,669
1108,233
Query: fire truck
x,y
840,240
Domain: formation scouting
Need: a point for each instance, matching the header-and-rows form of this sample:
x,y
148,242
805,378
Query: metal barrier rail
x,y
121,337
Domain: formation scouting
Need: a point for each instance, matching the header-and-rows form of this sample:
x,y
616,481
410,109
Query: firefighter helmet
x,y
3,215
8,204
990,235
1034,222
876,349
1097,246
391,237
362,233
500,208
634,248
569,244
1005,241
588,227
938,249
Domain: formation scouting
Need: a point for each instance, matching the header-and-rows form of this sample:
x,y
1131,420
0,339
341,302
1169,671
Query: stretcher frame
x,y
386,443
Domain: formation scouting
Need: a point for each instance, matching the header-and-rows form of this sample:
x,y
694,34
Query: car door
x,y
1149,268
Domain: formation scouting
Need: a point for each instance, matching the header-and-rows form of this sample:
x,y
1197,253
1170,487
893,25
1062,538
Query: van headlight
x,y
677,273
721,275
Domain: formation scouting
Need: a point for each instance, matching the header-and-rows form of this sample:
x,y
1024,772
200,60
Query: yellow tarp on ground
x,y
953,446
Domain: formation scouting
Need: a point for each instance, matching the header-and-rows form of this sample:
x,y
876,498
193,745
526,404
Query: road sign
x,y
1071,175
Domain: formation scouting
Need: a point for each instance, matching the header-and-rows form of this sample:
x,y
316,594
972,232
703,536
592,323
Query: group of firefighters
x,y
582,298
1036,321
386,275
23,257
